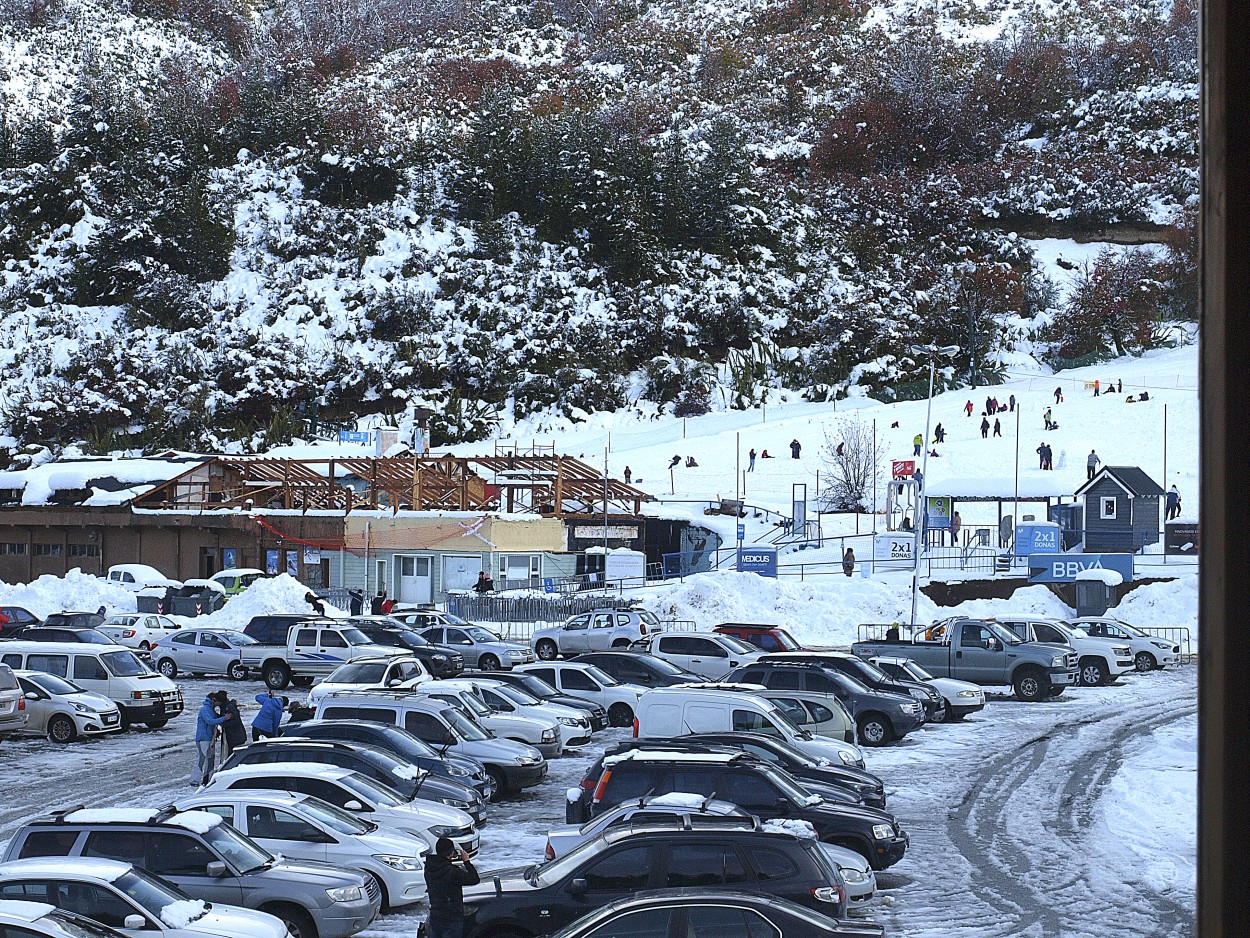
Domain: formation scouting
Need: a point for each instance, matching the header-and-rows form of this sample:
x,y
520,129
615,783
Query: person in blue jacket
x,y
205,723
270,717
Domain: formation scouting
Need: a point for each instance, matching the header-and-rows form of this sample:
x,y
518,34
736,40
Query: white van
x,y
111,671
731,708
139,576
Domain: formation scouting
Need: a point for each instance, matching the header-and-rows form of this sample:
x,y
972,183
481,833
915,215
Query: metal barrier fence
x,y
1177,635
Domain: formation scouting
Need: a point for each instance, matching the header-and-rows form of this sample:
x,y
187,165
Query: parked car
x,y
50,631
822,714
306,828
198,651
399,743
511,765
40,920
124,896
620,700
959,698
237,579
351,791
597,630
764,637
711,913
139,631
709,654
109,670
638,667
623,861
439,660
311,650
508,698
400,672
208,860
755,786
13,619
13,715
481,648
1099,660
872,677
732,708
63,711
532,684
139,576
405,777
539,730
880,716
1149,651
273,628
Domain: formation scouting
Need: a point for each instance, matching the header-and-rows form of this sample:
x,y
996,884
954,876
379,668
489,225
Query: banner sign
x,y
940,512
1063,568
897,546
761,560
902,468
353,436
1037,539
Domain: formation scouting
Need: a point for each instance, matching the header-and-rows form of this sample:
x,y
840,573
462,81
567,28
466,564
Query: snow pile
x,y
800,829
678,799
74,591
182,913
1100,574
1169,604
269,596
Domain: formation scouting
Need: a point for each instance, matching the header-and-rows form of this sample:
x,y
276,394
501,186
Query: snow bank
x,y
1165,605
1110,577
74,591
279,594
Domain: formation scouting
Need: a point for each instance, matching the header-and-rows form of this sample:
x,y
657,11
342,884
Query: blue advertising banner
x,y
353,436
1063,568
229,558
761,560
1037,539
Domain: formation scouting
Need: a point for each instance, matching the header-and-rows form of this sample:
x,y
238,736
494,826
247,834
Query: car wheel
x,y
488,663
155,724
1031,686
874,730
1145,661
277,676
236,671
547,650
298,922
1055,692
500,780
61,729
145,646
950,713
1092,673
168,668
386,902
620,714
621,643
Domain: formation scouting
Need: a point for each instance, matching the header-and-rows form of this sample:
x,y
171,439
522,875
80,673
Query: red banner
x,y
903,468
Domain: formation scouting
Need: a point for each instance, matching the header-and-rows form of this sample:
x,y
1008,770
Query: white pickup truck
x,y
1099,660
313,649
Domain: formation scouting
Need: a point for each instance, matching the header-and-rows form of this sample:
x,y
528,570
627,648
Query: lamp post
x,y
922,512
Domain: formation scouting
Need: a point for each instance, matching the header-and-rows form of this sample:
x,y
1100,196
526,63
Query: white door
x,y
416,581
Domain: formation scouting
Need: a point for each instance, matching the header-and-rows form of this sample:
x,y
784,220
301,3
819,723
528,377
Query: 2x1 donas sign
x,y
1063,568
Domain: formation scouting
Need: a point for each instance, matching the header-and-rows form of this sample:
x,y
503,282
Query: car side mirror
x,y
991,644
216,869
353,805
394,682
579,887
134,922
32,696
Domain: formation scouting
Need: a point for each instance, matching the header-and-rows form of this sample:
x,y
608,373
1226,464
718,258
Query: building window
x,y
84,550
1107,508
49,550
15,550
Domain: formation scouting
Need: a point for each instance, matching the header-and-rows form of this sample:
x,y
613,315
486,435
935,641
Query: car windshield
x,y
551,872
1125,627
455,620
355,637
517,695
782,718
603,677
738,645
338,820
237,639
372,792
407,745
1004,635
916,671
792,789
661,666
870,670
124,664
53,684
242,853
786,640
538,687
462,726
473,703
152,894
73,926
479,634
358,672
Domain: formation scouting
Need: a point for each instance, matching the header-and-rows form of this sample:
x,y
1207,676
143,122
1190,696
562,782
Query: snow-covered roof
x,y
96,867
1006,486
1110,577
25,911
92,482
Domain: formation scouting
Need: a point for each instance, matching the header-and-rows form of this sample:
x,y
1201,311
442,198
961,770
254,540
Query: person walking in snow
x,y
1059,395
794,449
751,461
1119,386
1011,404
675,461
917,442
1049,456
1091,464
1041,455
629,475
956,521
1096,387
989,404
1046,419
848,562
206,723
1173,504
998,427
939,434
968,408
985,427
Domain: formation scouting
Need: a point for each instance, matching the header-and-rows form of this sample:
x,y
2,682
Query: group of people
x,y
219,729
1045,456
691,463
985,427
1116,386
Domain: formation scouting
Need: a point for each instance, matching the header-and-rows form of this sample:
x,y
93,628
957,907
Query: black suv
x,y
638,667
57,633
535,685
873,677
399,743
439,660
13,619
273,629
382,767
880,716
754,786
646,855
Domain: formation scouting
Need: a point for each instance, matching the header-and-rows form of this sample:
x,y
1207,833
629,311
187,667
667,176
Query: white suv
x,y
710,654
1149,651
139,631
590,683
597,630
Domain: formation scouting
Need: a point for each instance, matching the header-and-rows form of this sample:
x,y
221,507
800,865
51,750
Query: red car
x,y
765,637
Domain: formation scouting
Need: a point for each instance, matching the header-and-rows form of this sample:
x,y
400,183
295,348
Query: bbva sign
x,y
1063,568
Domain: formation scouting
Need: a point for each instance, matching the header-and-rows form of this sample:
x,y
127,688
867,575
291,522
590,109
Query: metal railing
x,y
1176,635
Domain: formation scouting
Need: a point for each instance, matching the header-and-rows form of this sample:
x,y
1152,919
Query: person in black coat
x,y
233,730
375,604
357,602
445,880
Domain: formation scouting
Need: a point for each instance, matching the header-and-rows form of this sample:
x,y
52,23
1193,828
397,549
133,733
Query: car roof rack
x,y
58,814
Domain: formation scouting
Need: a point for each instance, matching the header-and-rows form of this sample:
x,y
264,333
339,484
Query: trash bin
x,y
192,602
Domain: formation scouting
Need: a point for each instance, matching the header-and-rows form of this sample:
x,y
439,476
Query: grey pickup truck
x,y
977,650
